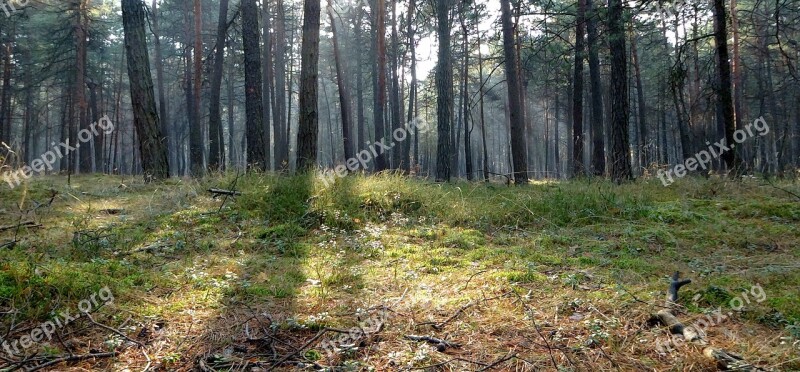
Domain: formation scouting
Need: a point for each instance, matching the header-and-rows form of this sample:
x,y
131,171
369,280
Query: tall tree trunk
x,y
195,130
97,141
724,95
379,95
361,118
80,82
578,168
483,112
598,144
736,69
344,96
256,144
515,101
215,115
412,89
5,99
640,102
557,135
620,148
309,113
168,140
397,151
465,99
444,88
152,150
268,80
280,121
233,155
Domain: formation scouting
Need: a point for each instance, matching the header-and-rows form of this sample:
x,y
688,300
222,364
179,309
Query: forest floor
x,y
551,276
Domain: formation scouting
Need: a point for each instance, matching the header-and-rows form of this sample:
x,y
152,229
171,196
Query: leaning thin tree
x,y
153,149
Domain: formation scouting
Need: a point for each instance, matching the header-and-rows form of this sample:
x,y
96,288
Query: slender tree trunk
x,y
5,99
195,130
233,155
397,151
169,142
598,144
280,121
578,168
724,95
465,99
152,150
380,79
444,88
736,69
309,113
256,144
412,89
268,79
620,148
97,140
344,95
80,82
359,38
483,113
215,114
557,135
518,141
643,134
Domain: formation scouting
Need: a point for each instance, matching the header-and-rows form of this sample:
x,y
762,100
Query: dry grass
x,y
549,277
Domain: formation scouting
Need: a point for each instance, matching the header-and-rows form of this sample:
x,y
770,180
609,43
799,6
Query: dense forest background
x,y
642,83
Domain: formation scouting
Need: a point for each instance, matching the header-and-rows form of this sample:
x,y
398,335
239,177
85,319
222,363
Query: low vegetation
x,y
551,275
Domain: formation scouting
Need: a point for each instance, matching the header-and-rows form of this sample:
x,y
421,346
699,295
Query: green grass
x,y
292,248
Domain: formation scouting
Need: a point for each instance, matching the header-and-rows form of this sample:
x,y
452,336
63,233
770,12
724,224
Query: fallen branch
x,y
441,345
28,224
113,330
729,362
218,192
667,316
73,358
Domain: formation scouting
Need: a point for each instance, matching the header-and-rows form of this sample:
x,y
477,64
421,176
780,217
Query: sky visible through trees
x,y
231,91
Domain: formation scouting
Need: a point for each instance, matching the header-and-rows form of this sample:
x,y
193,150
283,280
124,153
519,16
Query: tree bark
x,y
280,121
640,102
465,98
215,114
598,144
578,168
620,148
518,141
724,95
256,144
379,99
195,130
412,89
162,100
444,88
344,95
152,150
85,154
309,114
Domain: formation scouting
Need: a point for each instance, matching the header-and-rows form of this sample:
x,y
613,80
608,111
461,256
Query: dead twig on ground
x,y
73,358
441,345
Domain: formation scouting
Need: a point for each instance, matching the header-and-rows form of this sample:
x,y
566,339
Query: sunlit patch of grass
x,y
292,248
